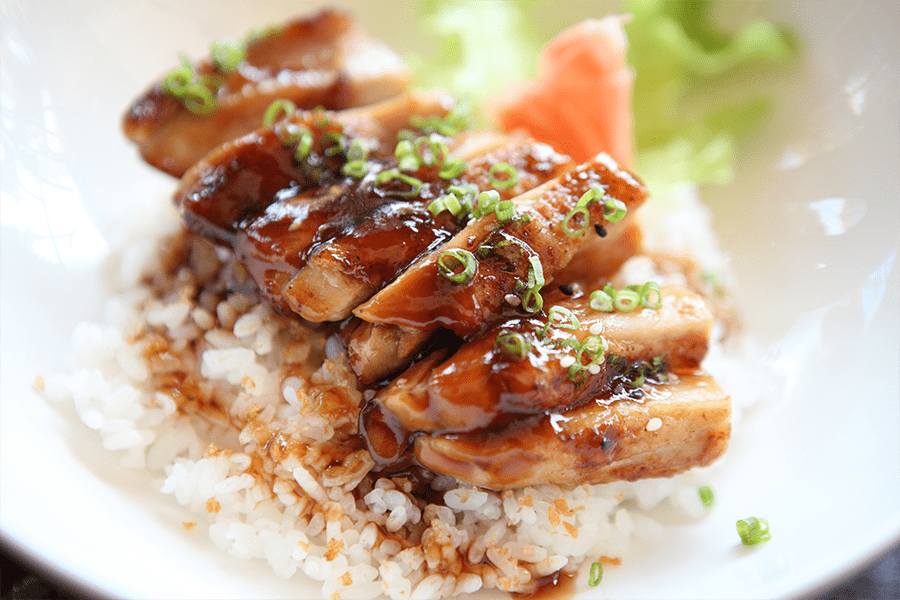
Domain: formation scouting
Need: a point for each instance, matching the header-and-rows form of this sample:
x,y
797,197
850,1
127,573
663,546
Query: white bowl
x,y
811,222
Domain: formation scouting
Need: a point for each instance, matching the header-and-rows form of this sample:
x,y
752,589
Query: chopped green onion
x,y
753,531
356,169
511,177
601,301
456,120
304,145
569,320
706,496
486,203
595,346
464,269
505,211
614,210
415,184
532,301
200,99
647,299
578,210
453,168
626,300
596,574
178,81
357,151
430,152
275,110
227,54
438,205
592,195
513,343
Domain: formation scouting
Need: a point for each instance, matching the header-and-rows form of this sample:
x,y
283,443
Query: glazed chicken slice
x,y
276,244
675,425
399,320
483,384
241,178
507,254
376,350
324,60
350,268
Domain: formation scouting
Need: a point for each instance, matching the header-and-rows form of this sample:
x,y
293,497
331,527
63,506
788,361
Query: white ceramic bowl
x,y
811,222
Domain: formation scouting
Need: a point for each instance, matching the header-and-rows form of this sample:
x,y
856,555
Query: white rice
x,y
248,413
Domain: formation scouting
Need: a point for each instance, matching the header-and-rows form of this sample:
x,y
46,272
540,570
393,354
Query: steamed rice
x,y
252,417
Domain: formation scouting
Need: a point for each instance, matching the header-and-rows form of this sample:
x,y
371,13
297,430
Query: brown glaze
x,y
353,266
600,441
422,298
480,385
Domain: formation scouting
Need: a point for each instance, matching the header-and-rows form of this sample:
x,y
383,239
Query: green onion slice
x,y
228,53
486,203
513,343
651,297
178,81
278,110
585,218
614,210
596,574
601,301
706,496
753,531
415,184
453,168
626,300
502,175
457,265
532,301
200,99
559,317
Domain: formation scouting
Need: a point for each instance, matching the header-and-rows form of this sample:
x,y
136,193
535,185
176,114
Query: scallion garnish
x,y
455,121
197,93
601,301
178,81
457,265
753,531
559,317
513,343
452,168
486,203
415,184
596,574
228,53
503,175
532,301
628,299
505,211
278,110
706,496
613,210
200,99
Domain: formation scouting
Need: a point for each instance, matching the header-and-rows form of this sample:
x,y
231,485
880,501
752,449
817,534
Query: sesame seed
x,y
567,361
512,300
654,424
596,328
594,369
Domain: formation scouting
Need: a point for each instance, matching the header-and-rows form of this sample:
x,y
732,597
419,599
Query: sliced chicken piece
x,y
325,60
422,298
277,243
241,178
351,268
676,425
482,385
